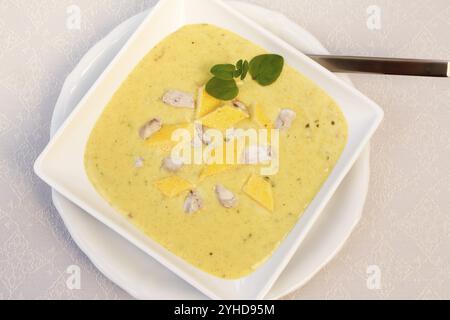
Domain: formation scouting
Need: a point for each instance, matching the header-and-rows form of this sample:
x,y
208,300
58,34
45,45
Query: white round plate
x,y
139,274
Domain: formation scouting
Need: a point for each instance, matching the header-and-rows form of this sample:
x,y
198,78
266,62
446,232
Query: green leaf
x,y
239,64
223,71
238,71
266,69
222,89
245,68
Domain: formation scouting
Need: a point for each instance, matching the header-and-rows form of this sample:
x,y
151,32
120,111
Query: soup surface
x,y
126,169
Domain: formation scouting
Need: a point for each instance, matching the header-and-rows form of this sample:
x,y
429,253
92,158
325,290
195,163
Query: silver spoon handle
x,y
406,67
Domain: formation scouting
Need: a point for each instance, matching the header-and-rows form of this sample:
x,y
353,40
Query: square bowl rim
x,y
39,166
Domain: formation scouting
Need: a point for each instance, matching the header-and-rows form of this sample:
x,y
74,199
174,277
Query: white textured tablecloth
x,y
404,235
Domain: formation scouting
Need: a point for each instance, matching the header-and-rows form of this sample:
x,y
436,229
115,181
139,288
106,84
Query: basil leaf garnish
x,y
266,69
222,89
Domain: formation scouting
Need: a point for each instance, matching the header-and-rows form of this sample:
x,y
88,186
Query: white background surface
x,y
405,229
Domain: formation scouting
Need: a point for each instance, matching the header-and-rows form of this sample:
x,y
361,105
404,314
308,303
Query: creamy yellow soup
x,y
226,242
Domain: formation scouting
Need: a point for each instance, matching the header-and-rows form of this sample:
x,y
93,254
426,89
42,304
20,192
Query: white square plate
x,y
61,164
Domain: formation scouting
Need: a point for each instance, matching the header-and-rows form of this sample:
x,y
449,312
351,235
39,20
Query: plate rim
x,y
377,118
57,198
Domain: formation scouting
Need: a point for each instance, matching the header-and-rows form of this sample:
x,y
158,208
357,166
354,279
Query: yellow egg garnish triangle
x,y
260,117
224,117
206,103
165,134
260,190
173,186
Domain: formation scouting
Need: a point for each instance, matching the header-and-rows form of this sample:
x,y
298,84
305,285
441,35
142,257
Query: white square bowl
x,y
61,164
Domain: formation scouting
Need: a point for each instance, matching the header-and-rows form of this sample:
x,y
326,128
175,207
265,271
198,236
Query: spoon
x,y
393,66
